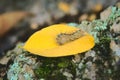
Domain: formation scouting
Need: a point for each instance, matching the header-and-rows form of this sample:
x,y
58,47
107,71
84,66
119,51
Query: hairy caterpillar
x,y
64,37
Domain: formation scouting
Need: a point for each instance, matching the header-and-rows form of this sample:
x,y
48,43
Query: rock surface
x,y
100,63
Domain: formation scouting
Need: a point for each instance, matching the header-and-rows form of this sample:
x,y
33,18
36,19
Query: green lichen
x,y
97,27
115,12
28,76
17,68
73,24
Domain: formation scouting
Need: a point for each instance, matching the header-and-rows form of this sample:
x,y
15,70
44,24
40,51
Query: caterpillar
x,y
64,37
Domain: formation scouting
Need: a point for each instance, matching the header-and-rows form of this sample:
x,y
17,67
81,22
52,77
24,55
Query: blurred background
x,y
21,18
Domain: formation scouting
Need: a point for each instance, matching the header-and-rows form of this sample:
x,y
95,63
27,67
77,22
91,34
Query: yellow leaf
x,y
44,42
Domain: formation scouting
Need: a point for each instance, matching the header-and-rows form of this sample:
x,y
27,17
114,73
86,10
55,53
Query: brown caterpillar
x,y
64,37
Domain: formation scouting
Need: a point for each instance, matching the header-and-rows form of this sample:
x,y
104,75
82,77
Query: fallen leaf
x,y
97,7
64,7
10,19
92,17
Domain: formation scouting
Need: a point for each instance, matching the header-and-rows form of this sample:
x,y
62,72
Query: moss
x,y
42,72
63,64
54,68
